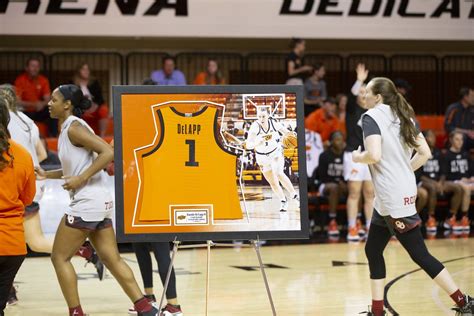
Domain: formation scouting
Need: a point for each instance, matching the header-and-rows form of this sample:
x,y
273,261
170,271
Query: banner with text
x,y
317,19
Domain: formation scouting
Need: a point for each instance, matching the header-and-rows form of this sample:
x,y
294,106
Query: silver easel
x,y
208,245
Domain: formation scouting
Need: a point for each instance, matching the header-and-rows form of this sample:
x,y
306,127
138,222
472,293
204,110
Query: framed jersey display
x,y
209,163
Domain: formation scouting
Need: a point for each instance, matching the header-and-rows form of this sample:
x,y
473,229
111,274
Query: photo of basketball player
x,y
265,138
389,128
211,162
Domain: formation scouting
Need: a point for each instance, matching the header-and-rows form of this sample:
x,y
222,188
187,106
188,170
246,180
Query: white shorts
x,y
355,171
272,162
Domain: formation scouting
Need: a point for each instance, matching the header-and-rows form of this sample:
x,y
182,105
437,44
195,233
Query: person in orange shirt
x,y
17,189
34,93
341,102
212,76
324,120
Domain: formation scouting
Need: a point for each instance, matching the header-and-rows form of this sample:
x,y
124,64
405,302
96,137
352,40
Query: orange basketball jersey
x,y
188,166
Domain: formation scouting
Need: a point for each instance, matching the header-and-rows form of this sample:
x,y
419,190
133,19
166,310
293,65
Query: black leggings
x,y
162,256
9,266
413,243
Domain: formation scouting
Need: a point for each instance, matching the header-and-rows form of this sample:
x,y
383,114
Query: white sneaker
x,y
284,206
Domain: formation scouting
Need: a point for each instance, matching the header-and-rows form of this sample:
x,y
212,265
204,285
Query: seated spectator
x,y
341,103
97,116
34,93
432,180
296,72
460,117
459,170
212,75
315,91
168,76
330,174
403,87
323,121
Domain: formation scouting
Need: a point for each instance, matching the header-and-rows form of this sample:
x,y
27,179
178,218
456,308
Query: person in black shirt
x,y
432,179
296,72
459,170
97,115
460,117
357,175
330,175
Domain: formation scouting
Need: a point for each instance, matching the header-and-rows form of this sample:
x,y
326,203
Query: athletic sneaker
x,y
332,228
88,252
154,312
151,298
353,234
99,266
12,298
369,312
284,205
466,310
360,229
296,198
431,225
458,227
449,223
464,223
171,310
430,235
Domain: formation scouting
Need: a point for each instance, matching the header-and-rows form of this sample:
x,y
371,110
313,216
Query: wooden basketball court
x,y
315,279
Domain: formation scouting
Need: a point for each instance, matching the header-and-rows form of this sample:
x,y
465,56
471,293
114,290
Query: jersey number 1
x,y
192,154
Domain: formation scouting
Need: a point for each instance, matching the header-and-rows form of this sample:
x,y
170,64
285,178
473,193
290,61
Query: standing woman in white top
x,y
390,136
83,157
25,132
264,138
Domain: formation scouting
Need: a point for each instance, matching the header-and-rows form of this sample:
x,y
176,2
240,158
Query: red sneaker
x,y
353,234
449,223
465,224
332,228
171,310
431,225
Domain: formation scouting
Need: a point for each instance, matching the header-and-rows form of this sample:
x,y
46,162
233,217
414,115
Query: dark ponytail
x,y
79,102
4,135
400,107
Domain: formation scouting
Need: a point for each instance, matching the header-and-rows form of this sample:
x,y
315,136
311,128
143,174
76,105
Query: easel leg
x,y
257,250
209,244
170,268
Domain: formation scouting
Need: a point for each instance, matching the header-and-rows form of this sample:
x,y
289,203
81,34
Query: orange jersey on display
x,y
187,165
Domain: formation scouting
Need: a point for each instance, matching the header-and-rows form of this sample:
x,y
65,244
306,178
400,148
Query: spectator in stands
x,y
169,75
460,117
212,75
341,103
324,120
403,87
315,91
459,170
432,179
330,176
296,72
34,93
357,175
97,116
